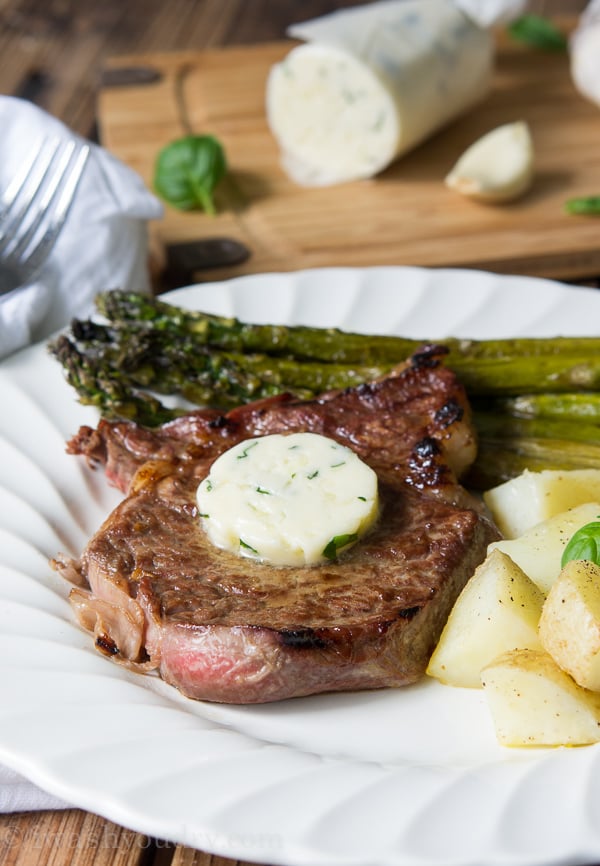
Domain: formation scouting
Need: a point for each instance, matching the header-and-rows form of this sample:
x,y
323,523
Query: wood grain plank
x,y
68,41
68,838
406,215
190,857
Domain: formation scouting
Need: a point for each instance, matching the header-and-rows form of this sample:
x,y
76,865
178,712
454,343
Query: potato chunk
x,y
498,610
570,622
535,703
532,497
539,550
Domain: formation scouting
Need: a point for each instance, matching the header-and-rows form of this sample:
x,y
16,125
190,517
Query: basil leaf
x,y
584,544
588,204
337,543
539,32
187,171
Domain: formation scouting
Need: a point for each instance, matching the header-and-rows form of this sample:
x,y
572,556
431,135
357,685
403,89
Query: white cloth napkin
x,y
103,244
17,794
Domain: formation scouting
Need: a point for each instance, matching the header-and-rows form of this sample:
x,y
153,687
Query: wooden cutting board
x,y
406,216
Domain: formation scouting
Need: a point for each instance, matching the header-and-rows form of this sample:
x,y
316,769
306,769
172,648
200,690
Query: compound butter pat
x,y
297,499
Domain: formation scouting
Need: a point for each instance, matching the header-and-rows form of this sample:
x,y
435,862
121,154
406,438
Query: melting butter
x,y
296,499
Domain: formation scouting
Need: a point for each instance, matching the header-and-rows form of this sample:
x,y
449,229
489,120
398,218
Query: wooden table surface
x,y
53,52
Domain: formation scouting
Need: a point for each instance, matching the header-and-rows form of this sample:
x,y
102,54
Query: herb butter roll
x,y
372,82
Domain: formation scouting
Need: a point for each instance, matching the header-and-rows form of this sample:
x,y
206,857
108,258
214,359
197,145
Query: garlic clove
x,y
498,167
585,62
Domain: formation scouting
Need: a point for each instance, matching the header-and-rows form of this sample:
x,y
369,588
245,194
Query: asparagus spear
x,y
583,405
127,309
529,375
498,426
500,459
159,359
301,342
99,387
206,376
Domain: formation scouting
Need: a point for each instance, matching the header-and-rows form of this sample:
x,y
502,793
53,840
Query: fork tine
x,y
11,192
41,207
22,190
59,205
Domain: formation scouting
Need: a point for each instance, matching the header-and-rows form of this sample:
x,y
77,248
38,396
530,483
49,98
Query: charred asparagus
x,y
128,310
530,395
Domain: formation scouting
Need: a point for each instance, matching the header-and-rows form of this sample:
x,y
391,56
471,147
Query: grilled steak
x,y
158,595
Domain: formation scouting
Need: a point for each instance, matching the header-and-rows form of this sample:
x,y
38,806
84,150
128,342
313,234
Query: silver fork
x,y
34,207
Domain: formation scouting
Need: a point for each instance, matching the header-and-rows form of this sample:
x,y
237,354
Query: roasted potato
x,y
533,702
498,610
533,497
570,622
539,550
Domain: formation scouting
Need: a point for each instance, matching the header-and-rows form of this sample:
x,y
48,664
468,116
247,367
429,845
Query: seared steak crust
x,y
224,628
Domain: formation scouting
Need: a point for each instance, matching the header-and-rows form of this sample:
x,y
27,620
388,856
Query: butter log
x,y
370,83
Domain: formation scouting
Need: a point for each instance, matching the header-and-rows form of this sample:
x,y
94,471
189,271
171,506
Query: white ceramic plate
x,y
410,776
